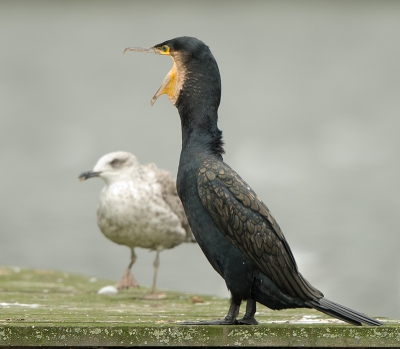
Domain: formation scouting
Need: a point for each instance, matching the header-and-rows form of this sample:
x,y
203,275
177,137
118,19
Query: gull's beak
x,y
168,85
88,174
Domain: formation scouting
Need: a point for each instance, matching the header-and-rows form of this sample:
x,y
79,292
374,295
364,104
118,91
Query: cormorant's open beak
x,y
88,174
168,85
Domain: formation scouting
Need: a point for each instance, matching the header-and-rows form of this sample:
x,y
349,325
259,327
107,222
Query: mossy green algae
x,y
50,308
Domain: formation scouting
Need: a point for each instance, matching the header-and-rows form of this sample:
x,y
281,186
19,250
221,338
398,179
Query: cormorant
x,y
139,207
234,228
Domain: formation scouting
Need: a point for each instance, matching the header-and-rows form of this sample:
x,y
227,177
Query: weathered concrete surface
x,y
49,308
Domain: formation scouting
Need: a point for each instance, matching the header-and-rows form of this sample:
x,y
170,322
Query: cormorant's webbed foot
x,y
248,318
229,319
213,322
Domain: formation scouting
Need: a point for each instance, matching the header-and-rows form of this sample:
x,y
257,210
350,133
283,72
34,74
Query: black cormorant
x,y
233,227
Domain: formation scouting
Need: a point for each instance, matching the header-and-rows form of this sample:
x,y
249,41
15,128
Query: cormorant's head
x,y
193,66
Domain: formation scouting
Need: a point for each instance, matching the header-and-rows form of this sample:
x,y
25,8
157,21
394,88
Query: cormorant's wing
x,y
245,220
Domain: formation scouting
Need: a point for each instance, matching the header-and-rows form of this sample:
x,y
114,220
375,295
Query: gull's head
x,y
111,167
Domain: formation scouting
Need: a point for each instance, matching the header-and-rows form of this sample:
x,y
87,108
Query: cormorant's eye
x,y
164,48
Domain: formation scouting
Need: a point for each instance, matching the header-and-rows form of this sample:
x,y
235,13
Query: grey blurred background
x,y
310,112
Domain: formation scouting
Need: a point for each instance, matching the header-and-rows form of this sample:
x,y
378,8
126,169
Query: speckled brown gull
x,y
139,207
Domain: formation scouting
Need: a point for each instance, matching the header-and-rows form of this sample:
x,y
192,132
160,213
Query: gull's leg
x,y
127,279
156,265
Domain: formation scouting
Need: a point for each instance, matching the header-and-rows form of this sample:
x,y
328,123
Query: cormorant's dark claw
x,y
213,322
248,318
230,318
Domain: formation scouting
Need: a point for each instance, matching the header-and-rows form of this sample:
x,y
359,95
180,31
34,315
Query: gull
x,y
139,207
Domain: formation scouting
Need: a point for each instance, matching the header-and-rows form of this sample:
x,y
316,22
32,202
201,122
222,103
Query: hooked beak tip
x,y
88,174
82,178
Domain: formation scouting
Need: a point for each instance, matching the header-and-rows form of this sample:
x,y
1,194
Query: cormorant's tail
x,y
343,313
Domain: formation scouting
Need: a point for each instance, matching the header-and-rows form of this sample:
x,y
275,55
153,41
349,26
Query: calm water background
x,y
310,113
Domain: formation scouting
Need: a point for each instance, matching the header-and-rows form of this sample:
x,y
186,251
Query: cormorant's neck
x,y
198,104
200,131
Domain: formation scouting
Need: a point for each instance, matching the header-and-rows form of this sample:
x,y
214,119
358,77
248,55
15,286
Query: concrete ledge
x,y
271,335
49,308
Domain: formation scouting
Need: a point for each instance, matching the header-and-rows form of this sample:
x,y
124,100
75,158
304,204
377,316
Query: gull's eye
x,y
117,163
